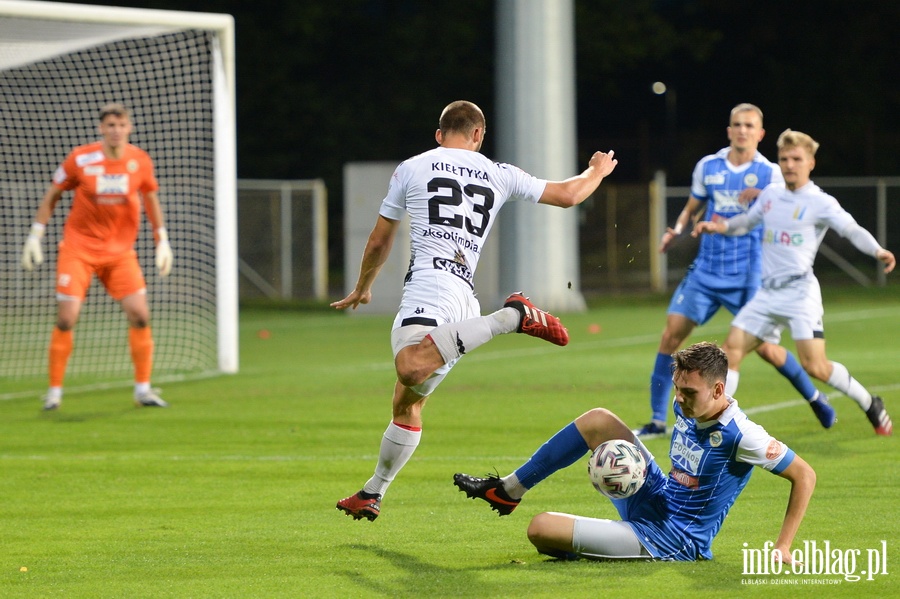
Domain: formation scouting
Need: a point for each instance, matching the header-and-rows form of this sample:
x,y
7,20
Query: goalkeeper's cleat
x,y
535,322
490,489
361,505
150,399
823,410
51,402
879,417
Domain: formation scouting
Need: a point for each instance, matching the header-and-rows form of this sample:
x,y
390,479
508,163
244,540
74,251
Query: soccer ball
x,y
617,469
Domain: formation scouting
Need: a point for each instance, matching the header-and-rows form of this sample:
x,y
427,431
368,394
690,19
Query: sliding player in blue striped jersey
x,y
713,451
726,269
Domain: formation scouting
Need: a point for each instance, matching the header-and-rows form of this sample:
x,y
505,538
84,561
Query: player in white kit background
x,y
452,195
795,216
726,270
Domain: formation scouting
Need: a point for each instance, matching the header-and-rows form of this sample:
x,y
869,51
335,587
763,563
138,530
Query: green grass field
x,y
230,492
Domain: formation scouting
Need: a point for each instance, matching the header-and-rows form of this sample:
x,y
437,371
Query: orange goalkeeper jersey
x,y
106,209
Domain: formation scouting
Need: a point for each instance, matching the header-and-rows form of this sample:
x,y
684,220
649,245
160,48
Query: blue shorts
x,y
648,514
699,302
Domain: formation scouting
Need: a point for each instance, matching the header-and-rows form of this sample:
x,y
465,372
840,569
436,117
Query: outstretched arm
x,y
733,227
691,208
577,189
866,242
378,248
803,481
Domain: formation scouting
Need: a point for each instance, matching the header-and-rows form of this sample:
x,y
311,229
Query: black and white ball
x,y
617,469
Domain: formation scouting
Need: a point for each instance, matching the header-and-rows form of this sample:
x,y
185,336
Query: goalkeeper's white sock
x,y
457,338
841,380
397,446
54,393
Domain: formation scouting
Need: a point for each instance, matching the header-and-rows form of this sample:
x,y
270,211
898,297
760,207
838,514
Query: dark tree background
x,y
322,83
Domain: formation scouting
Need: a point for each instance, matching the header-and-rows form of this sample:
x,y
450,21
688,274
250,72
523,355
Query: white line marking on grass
x,y
163,379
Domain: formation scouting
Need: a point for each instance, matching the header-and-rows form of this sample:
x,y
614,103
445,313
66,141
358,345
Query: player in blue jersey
x,y
726,269
713,451
452,195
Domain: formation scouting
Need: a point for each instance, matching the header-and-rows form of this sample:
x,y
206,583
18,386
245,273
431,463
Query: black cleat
x,y
879,417
490,489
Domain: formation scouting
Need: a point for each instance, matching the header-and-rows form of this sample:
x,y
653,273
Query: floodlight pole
x,y
536,132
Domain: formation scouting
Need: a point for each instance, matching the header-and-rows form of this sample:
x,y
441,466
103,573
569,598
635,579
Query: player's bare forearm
x,y
691,209
803,482
153,210
48,204
378,248
577,189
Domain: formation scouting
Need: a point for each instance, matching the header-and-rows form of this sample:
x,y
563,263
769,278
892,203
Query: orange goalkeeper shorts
x,y
121,276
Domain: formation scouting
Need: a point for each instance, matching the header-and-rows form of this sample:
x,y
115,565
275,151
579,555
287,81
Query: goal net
x,y
59,63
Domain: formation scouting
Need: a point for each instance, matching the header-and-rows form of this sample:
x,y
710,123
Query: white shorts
x,y
430,299
797,306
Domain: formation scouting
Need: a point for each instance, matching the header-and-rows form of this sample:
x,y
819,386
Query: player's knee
x,y
65,323
410,375
411,369
539,529
818,369
596,419
671,341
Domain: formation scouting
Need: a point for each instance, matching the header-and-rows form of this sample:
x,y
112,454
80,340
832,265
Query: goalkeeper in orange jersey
x,y
110,178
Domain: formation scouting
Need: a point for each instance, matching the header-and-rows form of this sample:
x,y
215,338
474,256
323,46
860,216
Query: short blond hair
x,y
794,139
116,109
747,107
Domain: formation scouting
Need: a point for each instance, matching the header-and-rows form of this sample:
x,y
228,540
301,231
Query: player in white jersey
x,y
795,217
713,451
452,195
725,272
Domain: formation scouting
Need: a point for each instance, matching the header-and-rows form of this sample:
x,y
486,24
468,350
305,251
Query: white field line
x,y
537,350
206,458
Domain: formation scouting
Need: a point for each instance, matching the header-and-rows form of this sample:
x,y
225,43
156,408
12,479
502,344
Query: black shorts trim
x,y
818,334
425,322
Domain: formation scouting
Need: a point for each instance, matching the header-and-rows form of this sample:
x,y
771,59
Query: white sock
x,y
54,393
513,487
731,382
141,388
397,446
457,338
841,380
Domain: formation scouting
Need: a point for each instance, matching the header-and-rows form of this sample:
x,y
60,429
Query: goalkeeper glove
x,y
163,252
31,254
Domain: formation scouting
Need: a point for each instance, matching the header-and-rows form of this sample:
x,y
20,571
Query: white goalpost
x,y
59,63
